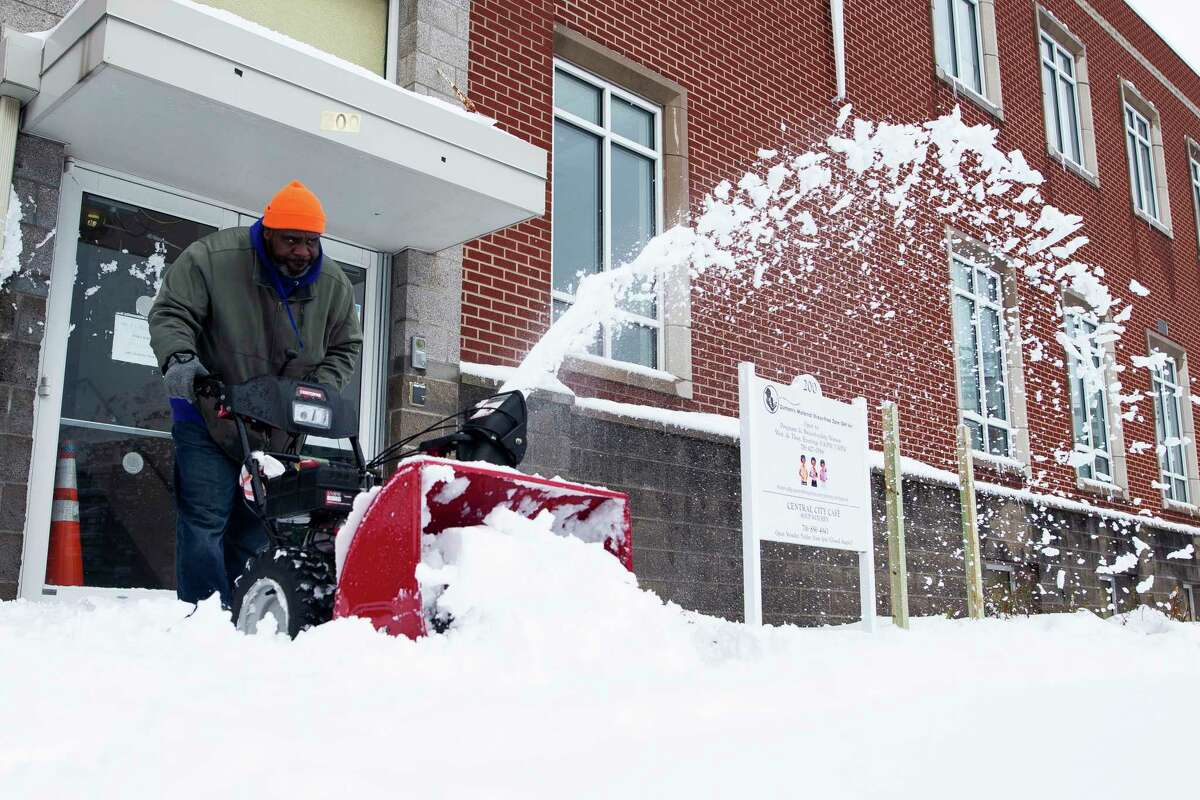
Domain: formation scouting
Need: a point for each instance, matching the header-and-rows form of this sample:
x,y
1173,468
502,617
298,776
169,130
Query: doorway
x,y
102,411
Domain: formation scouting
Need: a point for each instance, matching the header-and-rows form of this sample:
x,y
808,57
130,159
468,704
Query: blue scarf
x,y
284,285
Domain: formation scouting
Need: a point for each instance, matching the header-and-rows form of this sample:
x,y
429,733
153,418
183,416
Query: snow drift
x,y
560,677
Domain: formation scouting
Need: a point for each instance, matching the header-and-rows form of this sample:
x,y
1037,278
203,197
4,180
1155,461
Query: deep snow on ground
x,y
562,679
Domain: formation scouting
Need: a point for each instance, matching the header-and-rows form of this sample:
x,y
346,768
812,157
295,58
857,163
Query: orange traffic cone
x,y
64,563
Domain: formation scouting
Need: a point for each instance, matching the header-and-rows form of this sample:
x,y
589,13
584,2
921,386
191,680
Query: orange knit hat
x,y
295,208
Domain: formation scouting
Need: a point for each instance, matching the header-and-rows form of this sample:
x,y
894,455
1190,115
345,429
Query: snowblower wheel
x,y
291,586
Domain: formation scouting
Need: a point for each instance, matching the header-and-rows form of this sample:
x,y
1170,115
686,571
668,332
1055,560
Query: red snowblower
x,y
453,481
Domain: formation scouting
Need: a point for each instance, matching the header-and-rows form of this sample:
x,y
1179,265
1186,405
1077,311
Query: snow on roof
x,y
309,50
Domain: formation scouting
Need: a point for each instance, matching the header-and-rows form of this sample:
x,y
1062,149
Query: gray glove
x,y
180,375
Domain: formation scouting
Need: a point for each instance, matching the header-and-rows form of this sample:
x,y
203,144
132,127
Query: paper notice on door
x,y
131,340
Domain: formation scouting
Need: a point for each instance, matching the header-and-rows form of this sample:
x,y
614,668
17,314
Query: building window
x,y
354,30
1060,94
979,344
1140,150
1172,440
1066,102
960,41
964,36
1087,369
1190,591
606,201
1144,151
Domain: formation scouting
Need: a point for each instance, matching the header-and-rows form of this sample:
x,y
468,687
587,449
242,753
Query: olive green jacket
x,y
217,300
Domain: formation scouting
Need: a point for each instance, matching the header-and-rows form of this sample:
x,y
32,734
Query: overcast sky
x,y
1177,21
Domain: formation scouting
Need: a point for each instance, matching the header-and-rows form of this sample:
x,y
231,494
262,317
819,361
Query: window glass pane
x,y
1050,105
355,30
997,440
577,97
967,44
964,346
633,210
1103,468
632,122
993,371
1099,425
960,275
1147,176
1180,490
577,218
1082,431
975,428
637,344
1070,122
989,286
1066,63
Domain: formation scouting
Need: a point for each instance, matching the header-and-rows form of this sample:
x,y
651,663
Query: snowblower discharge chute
x,y
455,481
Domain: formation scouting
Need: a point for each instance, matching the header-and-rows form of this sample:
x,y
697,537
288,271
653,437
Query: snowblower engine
x,y
342,541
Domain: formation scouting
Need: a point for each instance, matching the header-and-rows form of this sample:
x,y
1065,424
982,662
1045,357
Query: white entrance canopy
x,y
194,100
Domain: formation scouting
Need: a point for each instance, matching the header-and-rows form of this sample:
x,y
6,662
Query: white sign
x,y
131,340
805,478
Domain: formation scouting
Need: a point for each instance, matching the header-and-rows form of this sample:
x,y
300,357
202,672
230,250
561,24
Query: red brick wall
x,y
750,65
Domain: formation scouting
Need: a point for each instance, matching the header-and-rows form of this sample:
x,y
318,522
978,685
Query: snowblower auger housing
x,y
428,495
306,502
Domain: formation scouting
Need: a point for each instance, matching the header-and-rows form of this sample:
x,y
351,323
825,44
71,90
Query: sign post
x,y
970,525
893,487
805,479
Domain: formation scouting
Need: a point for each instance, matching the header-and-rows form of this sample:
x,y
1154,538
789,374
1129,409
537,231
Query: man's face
x,y
293,251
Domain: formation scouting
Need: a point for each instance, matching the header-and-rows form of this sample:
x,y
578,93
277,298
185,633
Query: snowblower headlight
x,y
312,415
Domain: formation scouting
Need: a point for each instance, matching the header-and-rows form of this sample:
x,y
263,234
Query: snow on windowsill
x,y
975,97
997,463
1153,223
610,369
1182,508
1102,488
1079,170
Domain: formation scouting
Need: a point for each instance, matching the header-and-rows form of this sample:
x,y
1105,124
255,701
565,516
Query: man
x,y
237,304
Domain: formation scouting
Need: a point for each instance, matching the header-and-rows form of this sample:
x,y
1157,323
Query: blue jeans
x,y
215,531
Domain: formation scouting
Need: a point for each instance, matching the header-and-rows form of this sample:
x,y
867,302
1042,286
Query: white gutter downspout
x,y
10,125
20,80
392,57
839,47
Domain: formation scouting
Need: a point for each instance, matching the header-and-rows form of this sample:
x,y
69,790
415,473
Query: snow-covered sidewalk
x,y
562,679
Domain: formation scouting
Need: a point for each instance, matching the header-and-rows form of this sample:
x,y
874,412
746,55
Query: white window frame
x,y
1160,386
948,17
1073,316
1143,187
608,138
1052,99
982,301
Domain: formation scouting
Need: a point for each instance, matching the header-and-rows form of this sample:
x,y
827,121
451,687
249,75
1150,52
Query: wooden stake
x,y
970,525
893,491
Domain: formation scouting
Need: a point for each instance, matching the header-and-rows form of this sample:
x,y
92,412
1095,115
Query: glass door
x,y
101,398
